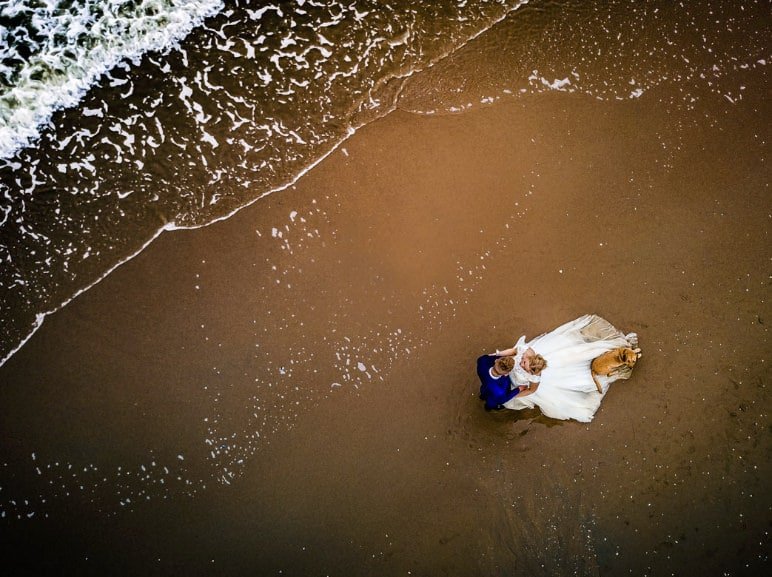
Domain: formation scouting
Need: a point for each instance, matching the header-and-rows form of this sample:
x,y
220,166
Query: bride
x,y
563,387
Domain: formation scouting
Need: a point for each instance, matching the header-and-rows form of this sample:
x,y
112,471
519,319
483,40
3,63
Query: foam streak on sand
x,y
40,317
72,45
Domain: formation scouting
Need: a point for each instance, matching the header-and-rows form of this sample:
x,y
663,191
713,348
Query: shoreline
x,y
33,324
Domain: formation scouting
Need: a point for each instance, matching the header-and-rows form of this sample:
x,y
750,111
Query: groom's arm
x,y
504,393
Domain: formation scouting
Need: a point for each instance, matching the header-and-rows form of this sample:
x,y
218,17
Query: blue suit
x,y
495,392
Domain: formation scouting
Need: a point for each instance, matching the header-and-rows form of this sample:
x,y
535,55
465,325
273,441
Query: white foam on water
x,y
78,45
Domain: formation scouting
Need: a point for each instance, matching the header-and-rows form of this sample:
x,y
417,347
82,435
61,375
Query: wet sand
x,y
340,319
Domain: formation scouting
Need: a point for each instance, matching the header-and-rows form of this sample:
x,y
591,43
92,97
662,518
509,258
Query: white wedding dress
x,y
567,390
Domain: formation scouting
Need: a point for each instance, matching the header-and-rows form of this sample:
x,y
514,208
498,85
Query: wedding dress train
x,y
567,390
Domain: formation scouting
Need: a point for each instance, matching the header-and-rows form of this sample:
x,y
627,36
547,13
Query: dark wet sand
x,y
463,232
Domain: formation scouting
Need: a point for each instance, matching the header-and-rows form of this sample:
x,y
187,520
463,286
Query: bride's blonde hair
x,y
538,363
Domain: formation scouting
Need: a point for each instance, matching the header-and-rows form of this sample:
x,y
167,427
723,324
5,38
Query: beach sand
x,y
305,369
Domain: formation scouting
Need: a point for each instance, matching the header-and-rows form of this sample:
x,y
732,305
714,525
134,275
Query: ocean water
x,y
122,119
127,128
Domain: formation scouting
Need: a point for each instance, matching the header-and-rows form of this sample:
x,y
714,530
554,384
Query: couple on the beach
x,y
555,371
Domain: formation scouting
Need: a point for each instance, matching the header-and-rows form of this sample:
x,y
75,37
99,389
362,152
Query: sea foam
x,y
52,52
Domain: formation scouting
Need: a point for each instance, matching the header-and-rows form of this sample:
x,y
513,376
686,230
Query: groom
x,y
496,388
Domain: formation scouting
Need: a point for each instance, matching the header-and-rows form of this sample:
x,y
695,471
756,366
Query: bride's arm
x,y
529,391
507,353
